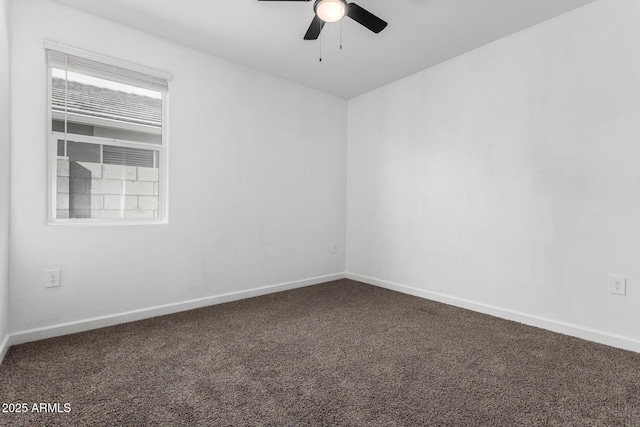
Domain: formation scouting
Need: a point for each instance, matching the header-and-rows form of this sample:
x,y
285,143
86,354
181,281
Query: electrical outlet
x,y
334,248
52,278
618,285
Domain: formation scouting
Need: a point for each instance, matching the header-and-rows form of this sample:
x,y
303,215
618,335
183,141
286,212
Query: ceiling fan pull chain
x,y
341,33
320,54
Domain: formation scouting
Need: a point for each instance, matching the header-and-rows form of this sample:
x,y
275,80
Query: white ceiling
x,y
268,34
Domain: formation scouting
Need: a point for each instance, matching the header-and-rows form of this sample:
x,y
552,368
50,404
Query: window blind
x,y
126,156
65,61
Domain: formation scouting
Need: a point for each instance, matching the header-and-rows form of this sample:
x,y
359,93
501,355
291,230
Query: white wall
x,y
273,204
505,180
4,174
508,179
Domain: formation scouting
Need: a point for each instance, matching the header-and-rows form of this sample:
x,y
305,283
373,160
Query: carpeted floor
x,y
340,353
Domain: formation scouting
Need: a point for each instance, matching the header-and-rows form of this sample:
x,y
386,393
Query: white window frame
x,y
53,137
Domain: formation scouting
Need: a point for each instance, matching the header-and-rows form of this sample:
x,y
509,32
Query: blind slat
x,y
98,69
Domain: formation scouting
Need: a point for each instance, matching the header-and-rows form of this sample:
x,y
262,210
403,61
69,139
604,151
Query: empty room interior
x,y
267,212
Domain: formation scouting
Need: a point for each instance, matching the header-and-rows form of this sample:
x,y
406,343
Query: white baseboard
x,y
4,346
21,337
527,319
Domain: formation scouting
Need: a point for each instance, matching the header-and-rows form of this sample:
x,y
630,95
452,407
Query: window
x,y
107,140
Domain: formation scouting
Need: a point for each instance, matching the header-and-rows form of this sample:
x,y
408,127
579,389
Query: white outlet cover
x,y
52,278
618,285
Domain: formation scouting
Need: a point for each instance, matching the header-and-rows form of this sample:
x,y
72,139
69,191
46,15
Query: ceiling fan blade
x,y
314,29
366,18
284,0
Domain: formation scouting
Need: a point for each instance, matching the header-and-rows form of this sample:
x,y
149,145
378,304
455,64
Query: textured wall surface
x,y
508,177
5,135
256,186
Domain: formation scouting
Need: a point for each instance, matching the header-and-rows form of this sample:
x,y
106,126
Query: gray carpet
x,y
340,353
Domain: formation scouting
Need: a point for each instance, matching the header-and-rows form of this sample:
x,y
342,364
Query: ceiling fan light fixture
x,y
330,10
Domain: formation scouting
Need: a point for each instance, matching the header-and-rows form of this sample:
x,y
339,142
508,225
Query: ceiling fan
x,y
335,10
